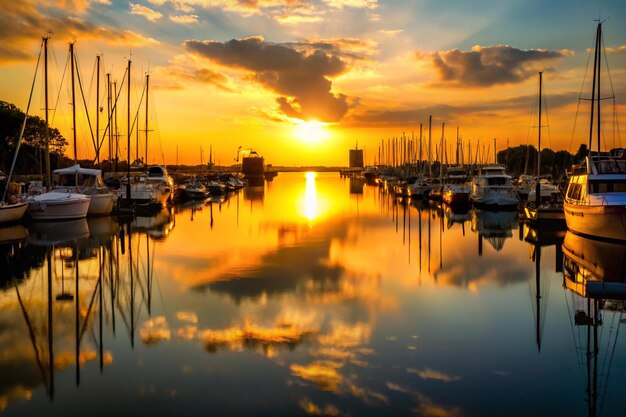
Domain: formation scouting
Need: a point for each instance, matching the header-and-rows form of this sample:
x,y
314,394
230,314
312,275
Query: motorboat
x,y
455,190
595,200
493,188
89,182
57,205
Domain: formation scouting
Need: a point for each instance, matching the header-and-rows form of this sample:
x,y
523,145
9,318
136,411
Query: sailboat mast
x,y
98,108
47,129
128,133
147,101
430,125
109,116
539,135
593,88
72,69
599,55
443,127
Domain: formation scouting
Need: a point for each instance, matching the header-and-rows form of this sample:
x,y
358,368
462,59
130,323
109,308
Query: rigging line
x,y
576,350
89,310
606,382
56,104
135,120
19,140
108,126
547,125
32,335
580,98
80,87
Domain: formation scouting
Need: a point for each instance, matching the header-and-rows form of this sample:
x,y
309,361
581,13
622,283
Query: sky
x,y
303,81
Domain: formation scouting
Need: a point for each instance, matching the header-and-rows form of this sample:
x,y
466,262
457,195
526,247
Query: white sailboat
x,y
55,205
595,201
545,200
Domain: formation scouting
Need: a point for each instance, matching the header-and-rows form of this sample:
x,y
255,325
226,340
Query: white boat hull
x,y
58,206
101,204
602,221
12,212
495,197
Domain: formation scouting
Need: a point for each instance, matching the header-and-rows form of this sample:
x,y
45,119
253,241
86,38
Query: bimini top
x,y
76,169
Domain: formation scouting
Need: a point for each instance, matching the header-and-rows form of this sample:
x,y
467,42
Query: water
x,y
309,296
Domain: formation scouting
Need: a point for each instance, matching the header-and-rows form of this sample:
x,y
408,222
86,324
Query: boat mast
x,y
108,77
73,100
128,132
98,108
596,79
539,136
430,125
47,129
147,101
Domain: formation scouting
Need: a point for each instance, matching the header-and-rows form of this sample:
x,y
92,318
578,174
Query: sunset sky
x,y
302,81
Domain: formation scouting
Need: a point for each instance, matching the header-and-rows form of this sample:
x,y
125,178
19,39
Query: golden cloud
x,y
302,79
148,13
21,21
184,19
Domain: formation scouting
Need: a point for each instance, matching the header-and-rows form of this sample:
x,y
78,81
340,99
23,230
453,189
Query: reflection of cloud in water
x,y
13,394
432,374
313,409
288,270
154,331
428,408
322,373
187,316
250,336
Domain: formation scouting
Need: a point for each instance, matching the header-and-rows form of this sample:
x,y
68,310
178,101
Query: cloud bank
x,y
300,78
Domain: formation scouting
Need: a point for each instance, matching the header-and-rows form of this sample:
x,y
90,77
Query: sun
x,y
310,131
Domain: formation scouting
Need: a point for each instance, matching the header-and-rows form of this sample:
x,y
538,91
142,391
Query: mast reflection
x,y
594,273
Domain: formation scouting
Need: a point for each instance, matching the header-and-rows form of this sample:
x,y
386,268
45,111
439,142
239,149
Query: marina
x,y
389,222
312,291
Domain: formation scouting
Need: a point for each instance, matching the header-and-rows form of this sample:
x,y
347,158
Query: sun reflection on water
x,y
310,197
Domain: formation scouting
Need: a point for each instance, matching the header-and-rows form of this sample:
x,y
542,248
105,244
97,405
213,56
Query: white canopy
x,y
76,169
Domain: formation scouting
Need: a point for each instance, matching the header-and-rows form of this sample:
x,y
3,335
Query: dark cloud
x,y
398,117
490,65
299,77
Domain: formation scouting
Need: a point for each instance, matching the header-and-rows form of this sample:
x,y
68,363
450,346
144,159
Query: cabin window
x,y
573,191
616,186
497,181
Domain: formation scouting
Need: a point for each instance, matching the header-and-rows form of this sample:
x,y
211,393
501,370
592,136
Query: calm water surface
x,y
309,296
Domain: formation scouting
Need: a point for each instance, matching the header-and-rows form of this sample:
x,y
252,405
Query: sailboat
x,y
545,201
55,205
595,201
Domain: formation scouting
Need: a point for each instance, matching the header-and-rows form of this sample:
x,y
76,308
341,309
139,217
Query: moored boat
x,y
493,188
595,200
56,205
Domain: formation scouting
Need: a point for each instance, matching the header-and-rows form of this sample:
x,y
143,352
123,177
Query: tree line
x,y
31,155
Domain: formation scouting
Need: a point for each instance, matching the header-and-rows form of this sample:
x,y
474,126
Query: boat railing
x,y
610,165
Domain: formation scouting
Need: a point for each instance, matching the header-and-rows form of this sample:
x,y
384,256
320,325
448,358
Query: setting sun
x,y
311,131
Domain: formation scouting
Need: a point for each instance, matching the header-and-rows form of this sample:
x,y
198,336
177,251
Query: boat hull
x,y
58,206
602,221
101,204
12,212
455,198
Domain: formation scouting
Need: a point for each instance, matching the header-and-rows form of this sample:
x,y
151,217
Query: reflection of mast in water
x,y
48,379
595,274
